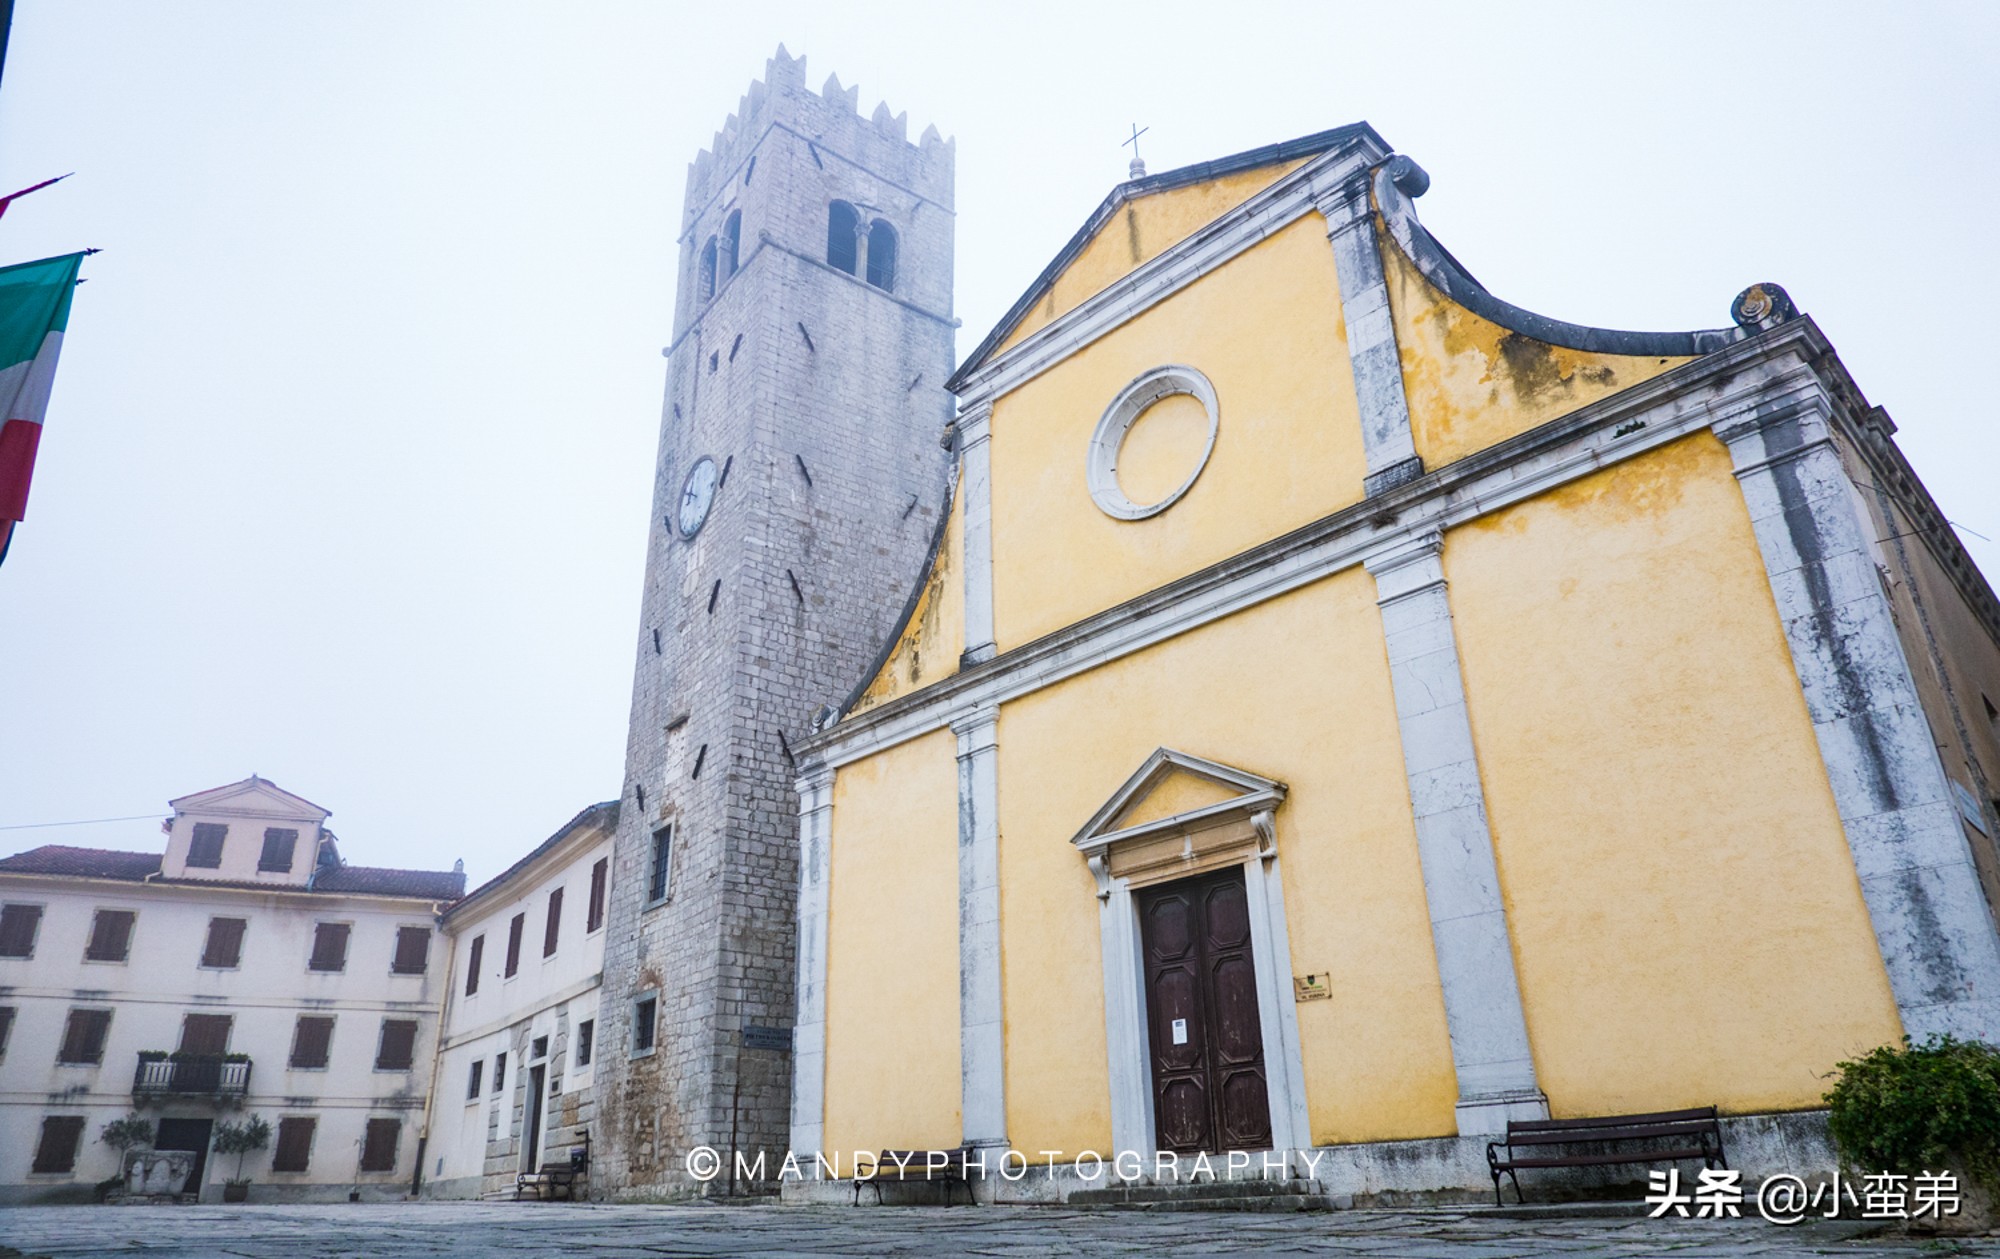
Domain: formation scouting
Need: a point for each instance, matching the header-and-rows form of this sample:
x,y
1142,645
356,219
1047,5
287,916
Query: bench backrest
x,y
1699,1121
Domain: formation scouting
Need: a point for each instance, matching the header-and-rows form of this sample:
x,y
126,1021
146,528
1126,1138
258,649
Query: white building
x,y
248,969
513,1087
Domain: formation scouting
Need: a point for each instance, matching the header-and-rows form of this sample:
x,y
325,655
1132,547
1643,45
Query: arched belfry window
x,y
842,226
882,255
732,235
705,282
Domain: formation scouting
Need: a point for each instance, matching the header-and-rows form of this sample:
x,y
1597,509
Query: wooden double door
x,y
1201,1009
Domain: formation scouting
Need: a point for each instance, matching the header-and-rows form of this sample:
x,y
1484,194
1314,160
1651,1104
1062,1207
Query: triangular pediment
x,y
253,797
1172,790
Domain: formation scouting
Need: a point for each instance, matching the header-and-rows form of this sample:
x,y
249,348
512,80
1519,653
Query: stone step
x,y
1283,1203
1203,1190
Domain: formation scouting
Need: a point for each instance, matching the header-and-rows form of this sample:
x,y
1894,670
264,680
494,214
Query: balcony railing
x,y
191,1075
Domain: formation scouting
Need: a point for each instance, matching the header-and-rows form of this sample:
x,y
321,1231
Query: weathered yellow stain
x,y
1178,791
1143,229
892,1053
1266,329
1296,689
1687,922
1472,383
930,643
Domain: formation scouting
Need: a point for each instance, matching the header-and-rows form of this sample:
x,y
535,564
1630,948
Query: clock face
x,y
697,496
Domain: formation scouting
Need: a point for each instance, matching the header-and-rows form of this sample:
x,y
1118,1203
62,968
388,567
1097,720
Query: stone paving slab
x,y
479,1230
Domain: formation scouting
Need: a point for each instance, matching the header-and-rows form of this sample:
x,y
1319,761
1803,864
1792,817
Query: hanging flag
x,y
12,197
34,310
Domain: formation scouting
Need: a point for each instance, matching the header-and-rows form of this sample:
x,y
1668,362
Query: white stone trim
x,y
982,1030
1931,920
1386,439
1101,457
1630,423
975,447
1263,215
815,786
1475,954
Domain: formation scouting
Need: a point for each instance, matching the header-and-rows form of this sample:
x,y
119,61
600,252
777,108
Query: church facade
x,y
1345,712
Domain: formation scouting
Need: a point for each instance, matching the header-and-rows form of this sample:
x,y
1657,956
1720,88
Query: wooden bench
x,y
1655,1138
553,1178
948,1166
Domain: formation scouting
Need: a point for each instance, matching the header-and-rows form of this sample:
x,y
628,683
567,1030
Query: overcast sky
x,y
346,476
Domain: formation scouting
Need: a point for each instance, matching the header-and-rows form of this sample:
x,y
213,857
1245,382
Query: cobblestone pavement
x,y
395,1231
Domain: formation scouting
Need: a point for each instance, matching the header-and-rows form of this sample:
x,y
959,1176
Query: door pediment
x,y
1179,815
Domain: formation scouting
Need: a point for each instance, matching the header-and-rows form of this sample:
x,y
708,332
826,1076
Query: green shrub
x,y
133,1132
240,1139
1911,1108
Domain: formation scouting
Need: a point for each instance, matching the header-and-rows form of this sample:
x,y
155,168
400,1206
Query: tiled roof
x,y
436,885
103,863
82,863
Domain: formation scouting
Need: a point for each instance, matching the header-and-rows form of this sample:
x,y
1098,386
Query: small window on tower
x,y
842,226
882,255
706,281
732,239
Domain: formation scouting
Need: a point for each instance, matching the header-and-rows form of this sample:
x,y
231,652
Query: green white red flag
x,y
34,310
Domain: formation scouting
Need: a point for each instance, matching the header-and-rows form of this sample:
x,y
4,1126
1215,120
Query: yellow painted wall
x,y
1143,229
1296,689
1175,792
1687,922
892,1056
1266,330
929,645
1472,383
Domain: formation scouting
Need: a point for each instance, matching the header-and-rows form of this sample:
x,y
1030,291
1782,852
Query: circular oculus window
x,y
1108,443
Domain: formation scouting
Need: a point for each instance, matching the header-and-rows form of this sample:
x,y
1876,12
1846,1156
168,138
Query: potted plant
x,y
1933,1108
124,1135
240,1139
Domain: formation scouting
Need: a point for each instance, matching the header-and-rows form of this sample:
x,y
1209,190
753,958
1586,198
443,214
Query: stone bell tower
x,y
799,482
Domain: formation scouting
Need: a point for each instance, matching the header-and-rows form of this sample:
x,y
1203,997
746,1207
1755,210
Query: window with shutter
x,y
224,949
599,873
413,950
473,1080
586,1032
83,1038
499,1072
514,943
312,1043
6,1027
206,1033
205,849
110,936
398,1047
473,961
18,926
279,845
295,1139
56,1151
378,1147
329,947
552,928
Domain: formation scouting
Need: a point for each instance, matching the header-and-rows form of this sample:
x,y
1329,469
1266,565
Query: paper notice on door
x,y
1180,1031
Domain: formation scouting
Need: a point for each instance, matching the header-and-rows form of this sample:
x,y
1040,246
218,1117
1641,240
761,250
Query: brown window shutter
x,y
83,1037
598,874
279,846
295,1138
329,947
110,936
205,849
205,1033
413,950
399,1043
56,1153
17,929
225,943
514,942
378,1148
312,1042
472,964
552,931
